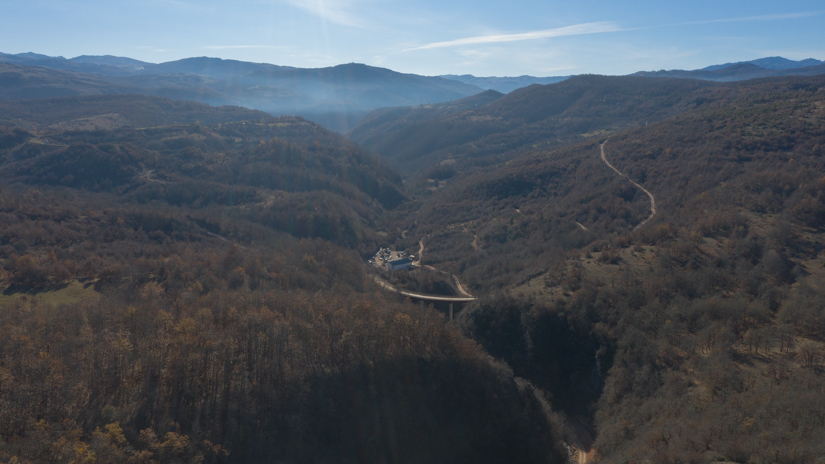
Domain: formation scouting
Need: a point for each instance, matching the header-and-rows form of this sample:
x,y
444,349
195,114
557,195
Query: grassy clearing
x,y
73,292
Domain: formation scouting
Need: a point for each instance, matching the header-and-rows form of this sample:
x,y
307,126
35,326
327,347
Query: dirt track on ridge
x,y
647,192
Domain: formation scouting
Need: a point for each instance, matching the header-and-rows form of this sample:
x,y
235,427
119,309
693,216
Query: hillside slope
x,y
546,116
196,293
112,111
702,331
287,173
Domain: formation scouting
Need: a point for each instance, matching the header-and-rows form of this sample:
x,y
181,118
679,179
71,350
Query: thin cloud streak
x,y
576,29
334,11
773,17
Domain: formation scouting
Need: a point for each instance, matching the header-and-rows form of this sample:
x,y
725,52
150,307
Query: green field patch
x,y
73,292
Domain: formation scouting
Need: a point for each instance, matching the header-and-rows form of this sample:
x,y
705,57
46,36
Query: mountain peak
x,y
37,56
109,60
776,63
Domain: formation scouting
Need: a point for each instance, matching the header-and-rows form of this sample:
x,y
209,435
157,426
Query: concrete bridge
x,y
424,297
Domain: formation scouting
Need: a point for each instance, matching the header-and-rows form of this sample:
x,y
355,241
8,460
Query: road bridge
x,y
424,297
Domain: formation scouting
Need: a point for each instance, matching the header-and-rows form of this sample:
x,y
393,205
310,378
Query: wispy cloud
x,y
772,17
576,29
334,11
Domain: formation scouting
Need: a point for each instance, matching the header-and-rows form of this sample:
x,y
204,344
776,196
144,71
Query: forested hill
x,y
546,117
287,173
414,121
195,293
741,71
725,317
504,84
504,223
549,116
706,323
106,112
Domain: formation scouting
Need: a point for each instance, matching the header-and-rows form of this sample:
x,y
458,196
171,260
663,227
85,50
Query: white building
x,y
397,264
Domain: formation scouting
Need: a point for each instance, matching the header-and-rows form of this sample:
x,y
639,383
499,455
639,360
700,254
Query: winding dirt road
x,y
461,289
647,192
420,252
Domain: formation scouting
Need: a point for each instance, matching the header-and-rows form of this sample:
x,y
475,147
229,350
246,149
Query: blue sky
x,y
480,37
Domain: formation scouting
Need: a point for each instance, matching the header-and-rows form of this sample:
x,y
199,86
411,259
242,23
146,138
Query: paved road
x,y
425,296
647,192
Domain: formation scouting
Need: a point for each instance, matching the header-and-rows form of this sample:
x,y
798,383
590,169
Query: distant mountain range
x,y
764,67
504,84
774,66
773,62
336,97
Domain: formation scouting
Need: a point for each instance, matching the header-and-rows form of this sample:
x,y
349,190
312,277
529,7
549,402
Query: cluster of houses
x,y
393,261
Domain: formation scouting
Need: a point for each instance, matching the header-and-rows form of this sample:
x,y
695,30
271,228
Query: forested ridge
x,y
695,338
112,111
196,293
549,116
285,173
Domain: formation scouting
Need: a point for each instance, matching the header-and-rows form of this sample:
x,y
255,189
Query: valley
x,y
603,269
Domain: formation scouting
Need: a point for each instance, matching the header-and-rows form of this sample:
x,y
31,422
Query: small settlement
x,y
392,260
